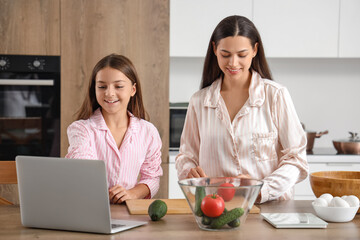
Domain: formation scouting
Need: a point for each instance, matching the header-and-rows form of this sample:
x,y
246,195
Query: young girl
x,y
111,127
241,123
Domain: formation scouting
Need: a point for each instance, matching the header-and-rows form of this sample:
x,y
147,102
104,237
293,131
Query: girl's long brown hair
x,y
124,65
230,27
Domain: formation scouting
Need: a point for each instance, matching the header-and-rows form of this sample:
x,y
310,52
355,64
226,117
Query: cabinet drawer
x,y
174,188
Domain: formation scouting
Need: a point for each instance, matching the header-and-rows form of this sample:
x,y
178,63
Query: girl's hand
x,y
196,173
118,194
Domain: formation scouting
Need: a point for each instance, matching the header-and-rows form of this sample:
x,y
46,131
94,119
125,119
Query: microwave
x,y
177,120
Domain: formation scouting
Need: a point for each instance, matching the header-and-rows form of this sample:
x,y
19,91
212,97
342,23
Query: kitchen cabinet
x,y
291,28
82,32
30,27
97,28
192,23
303,189
137,29
318,163
174,188
349,37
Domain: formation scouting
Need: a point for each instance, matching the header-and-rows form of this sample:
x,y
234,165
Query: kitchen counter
x,y
183,226
330,155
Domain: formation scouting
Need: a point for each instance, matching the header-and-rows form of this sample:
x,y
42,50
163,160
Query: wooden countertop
x,y
184,226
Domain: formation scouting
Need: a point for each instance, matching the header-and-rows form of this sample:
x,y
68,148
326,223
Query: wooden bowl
x,y
337,183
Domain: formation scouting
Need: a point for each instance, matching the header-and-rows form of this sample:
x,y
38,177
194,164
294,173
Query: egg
x,y
338,202
327,196
352,200
321,202
344,197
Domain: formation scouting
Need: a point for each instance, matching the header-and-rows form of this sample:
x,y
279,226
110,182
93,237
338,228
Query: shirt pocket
x,y
263,146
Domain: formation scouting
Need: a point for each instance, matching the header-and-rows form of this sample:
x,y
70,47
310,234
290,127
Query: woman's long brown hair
x,y
230,27
124,65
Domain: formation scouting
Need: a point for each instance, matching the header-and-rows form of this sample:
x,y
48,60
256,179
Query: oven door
x,y
29,115
177,120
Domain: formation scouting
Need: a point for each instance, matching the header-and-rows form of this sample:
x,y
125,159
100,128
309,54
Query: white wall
x,y
326,92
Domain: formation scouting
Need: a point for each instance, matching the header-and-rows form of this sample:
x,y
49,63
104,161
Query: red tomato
x,y
226,193
212,205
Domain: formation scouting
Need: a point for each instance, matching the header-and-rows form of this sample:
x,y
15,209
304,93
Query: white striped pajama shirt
x,y
139,152
265,139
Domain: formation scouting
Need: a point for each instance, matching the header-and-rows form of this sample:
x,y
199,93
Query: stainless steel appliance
x,y
29,106
177,119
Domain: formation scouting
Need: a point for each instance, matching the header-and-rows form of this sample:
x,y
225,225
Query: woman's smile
x,y
233,71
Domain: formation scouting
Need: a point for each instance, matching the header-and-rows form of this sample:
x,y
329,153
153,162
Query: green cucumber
x,y
199,195
157,209
234,223
206,220
227,217
225,211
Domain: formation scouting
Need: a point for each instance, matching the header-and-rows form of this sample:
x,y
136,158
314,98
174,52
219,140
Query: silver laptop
x,y
66,194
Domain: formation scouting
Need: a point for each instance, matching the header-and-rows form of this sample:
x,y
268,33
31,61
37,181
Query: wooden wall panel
x,y
138,29
30,27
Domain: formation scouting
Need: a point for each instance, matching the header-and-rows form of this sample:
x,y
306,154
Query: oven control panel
x,y
4,63
37,63
29,63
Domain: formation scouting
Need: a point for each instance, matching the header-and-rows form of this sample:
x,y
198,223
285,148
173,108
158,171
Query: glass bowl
x,y
237,198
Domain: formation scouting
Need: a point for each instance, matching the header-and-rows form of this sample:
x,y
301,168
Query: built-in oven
x,y
29,106
177,119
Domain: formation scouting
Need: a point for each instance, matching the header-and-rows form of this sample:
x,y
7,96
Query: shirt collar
x,y
99,121
256,92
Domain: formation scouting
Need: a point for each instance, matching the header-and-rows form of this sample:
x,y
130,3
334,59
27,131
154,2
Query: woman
x,y
111,126
242,124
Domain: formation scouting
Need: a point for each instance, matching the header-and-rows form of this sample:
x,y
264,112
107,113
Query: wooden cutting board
x,y
175,206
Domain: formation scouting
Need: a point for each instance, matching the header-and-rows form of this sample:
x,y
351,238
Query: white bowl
x,y
335,214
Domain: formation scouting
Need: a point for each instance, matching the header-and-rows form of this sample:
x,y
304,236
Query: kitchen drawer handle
x,y
27,82
339,164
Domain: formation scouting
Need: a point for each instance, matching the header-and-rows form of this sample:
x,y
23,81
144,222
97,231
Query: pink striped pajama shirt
x,y
139,152
265,139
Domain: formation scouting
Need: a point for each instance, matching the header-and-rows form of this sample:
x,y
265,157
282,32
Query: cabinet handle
x,y
27,82
339,164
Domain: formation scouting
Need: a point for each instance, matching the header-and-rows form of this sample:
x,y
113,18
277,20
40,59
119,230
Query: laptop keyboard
x,y
117,225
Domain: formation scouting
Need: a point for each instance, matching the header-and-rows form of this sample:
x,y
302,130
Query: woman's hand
x,y
244,176
247,176
196,173
118,194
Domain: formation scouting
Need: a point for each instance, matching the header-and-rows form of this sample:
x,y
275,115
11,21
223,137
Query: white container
x,y
336,214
